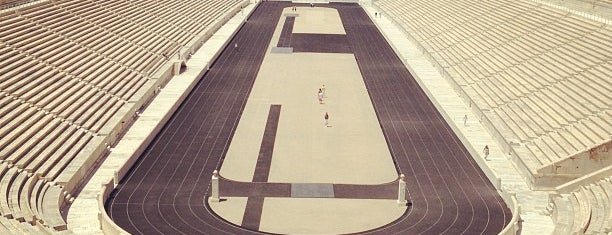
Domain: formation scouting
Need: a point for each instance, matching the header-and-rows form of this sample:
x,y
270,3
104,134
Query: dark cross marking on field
x,y
320,43
290,42
285,38
254,206
230,188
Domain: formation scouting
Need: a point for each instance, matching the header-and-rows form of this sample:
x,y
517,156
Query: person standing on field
x,y
323,90
320,96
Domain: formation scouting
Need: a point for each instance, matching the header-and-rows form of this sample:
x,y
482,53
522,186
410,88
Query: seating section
x,y
541,75
586,211
71,71
9,226
12,3
602,3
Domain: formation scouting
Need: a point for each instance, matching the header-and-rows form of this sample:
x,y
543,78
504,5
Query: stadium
x,y
305,117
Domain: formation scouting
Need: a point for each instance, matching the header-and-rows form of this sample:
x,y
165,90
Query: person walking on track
x,y
486,152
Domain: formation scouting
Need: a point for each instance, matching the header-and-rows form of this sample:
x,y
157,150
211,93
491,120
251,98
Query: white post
x,y
115,178
177,67
401,193
215,187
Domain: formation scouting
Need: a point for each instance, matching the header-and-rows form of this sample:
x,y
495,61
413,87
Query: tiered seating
x,y
12,3
544,73
586,211
603,3
598,7
70,72
9,226
12,221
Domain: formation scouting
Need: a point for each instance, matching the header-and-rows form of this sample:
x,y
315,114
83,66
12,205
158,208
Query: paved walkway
x,y
472,134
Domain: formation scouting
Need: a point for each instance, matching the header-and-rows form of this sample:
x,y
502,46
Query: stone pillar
x,y
215,187
177,67
115,178
401,192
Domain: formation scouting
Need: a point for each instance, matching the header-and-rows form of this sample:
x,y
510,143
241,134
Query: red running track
x,y
165,191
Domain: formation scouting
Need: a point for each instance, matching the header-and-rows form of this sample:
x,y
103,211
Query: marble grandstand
x,y
584,210
596,7
538,75
74,75
4,4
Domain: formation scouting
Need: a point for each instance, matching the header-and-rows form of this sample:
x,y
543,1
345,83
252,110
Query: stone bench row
x,y
147,21
549,110
201,12
438,19
539,39
534,38
91,14
587,88
35,82
29,199
63,47
431,19
25,70
9,226
549,145
517,28
470,46
585,54
66,99
585,211
29,203
564,142
175,18
45,145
